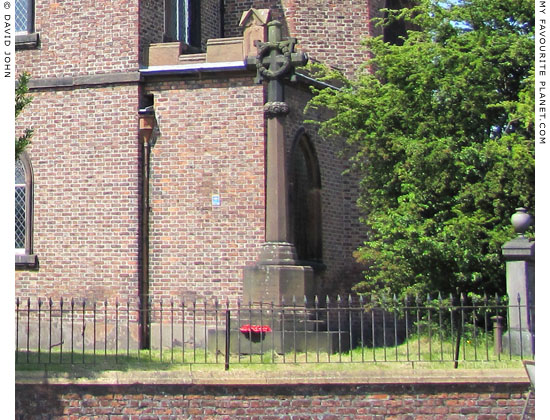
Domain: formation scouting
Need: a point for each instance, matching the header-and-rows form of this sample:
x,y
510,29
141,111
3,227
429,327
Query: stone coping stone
x,y
246,377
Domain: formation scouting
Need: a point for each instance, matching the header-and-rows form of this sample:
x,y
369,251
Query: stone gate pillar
x,y
519,254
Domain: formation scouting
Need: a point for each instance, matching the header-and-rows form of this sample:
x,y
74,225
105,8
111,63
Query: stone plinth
x,y
278,283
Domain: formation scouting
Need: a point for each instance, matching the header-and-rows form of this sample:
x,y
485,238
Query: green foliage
x,y
441,130
21,100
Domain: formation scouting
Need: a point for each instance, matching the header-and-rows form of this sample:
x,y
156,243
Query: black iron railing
x,y
453,330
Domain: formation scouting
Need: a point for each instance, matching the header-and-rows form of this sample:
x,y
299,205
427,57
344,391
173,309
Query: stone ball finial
x,y
521,220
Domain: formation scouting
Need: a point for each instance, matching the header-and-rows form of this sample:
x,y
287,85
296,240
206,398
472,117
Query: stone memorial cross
x,y
275,61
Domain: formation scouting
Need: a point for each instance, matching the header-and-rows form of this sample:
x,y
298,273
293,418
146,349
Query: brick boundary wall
x,y
476,401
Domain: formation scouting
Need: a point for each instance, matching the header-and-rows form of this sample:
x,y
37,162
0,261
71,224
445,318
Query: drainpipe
x,y
146,125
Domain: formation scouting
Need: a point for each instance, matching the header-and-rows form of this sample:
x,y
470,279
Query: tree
x,y
21,100
441,130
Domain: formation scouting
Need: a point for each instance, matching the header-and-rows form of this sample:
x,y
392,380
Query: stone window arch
x,y
305,200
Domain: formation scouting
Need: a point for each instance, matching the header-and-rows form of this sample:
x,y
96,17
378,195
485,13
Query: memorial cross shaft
x,y
275,61
277,276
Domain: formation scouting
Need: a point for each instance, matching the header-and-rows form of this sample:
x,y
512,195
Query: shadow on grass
x,y
90,365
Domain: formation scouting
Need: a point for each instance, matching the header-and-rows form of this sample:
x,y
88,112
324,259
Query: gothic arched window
x,y
23,212
305,200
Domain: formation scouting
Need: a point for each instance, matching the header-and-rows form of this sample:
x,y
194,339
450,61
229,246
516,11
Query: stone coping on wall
x,y
247,377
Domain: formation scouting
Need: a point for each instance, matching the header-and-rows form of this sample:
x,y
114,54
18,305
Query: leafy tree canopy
x,y
441,129
21,100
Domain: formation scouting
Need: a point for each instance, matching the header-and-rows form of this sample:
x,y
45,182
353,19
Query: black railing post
x,y
72,330
39,326
227,337
28,327
50,331
94,321
459,331
83,330
171,330
116,330
182,330
17,330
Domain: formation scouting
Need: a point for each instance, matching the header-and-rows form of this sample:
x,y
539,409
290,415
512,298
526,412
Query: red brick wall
x,y
211,141
83,37
358,402
342,232
151,24
84,155
210,20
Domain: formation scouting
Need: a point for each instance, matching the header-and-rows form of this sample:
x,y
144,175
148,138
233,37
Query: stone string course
x,y
295,401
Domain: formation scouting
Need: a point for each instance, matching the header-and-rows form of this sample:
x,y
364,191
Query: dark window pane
x,y
20,217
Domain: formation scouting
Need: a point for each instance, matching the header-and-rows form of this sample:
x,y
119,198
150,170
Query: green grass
x,y
423,352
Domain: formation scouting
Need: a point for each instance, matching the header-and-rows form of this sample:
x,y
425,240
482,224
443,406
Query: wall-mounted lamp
x,y
147,123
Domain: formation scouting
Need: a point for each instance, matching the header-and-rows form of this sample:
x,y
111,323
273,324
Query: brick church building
x,y
148,169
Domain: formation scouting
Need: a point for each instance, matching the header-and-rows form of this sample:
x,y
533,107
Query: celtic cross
x,y
276,59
